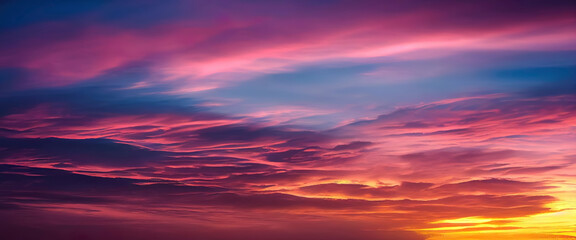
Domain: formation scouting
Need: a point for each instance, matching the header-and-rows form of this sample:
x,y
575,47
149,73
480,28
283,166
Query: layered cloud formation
x,y
287,120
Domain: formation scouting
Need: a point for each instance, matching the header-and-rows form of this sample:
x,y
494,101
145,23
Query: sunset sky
x,y
287,119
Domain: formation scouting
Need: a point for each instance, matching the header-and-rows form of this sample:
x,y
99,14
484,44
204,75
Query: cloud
x,y
456,156
352,146
212,43
421,190
47,180
507,124
92,152
308,230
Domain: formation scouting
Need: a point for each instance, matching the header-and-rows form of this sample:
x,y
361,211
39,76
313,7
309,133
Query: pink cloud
x,y
207,54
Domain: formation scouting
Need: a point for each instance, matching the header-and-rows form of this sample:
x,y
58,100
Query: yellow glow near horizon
x,y
466,220
560,224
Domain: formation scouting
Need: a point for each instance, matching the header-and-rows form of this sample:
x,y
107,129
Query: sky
x,y
288,119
